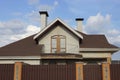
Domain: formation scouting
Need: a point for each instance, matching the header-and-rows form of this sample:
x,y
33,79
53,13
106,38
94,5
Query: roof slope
x,y
95,41
24,47
28,46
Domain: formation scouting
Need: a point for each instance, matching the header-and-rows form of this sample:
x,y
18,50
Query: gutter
x,y
99,49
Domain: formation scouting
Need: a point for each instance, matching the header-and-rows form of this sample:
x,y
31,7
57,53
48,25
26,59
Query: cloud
x,y
114,31
33,2
33,17
98,23
47,7
78,7
32,28
55,3
17,14
14,30
114,36
29,30
43,6
11,26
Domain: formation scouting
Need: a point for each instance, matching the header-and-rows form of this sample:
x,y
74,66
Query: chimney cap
x,y
79,19
44,12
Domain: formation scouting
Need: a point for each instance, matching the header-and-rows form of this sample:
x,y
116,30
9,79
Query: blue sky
x,y
19,19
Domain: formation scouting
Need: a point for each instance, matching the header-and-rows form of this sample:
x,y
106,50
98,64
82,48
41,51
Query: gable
x,y
72,41
52,25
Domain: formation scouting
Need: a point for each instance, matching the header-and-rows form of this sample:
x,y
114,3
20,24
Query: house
x,y
58,43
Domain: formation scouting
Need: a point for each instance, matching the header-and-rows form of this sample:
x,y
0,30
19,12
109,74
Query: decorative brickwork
x,y
79,71
106,71
17,71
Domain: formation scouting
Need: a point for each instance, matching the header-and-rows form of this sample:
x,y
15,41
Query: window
x,y
58,44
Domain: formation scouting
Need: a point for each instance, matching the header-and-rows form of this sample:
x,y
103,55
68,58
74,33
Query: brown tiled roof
x,y
24,47
29,47
95,41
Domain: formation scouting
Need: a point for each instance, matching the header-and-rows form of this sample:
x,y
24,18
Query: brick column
x,y
105,71
79,71
17,70
109,60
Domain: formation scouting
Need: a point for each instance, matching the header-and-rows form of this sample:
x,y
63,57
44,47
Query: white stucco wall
x,y
96,55
32,60
72,42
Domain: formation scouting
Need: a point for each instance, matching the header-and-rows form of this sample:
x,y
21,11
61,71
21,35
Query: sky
x,y
19,19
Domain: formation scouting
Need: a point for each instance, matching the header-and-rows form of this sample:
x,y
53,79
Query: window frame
x,y
58,43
